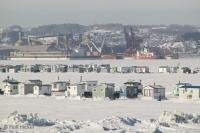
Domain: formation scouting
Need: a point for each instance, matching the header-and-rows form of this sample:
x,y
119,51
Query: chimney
x,y
154,83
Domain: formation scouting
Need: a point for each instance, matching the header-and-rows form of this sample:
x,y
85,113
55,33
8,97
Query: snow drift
x,y
23,119
179,117
118,124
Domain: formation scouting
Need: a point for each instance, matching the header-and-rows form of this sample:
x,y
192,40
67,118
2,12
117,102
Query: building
x,y
27,68
186,70
82,69
12,69
124,69
131,89
45,68
167,69
141,69
105,68
154,91
178,85
88,86
42,89
59,86
10,86
104,90
63,68
3,69
25,88
36,55
74,90
174,69
164,69
189,92
7,68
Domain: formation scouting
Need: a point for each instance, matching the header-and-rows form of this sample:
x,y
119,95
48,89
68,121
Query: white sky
x,y
39,12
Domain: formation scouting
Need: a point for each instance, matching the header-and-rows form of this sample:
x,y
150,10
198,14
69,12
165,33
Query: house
x,y
105,68
10,86
26,68
178,85
196,70
45,68
83,89
88,86
59,86
8,68
174,69
124,69
167,69
74,90
90,68
98,69
63,68
189,92
131,89
42,89
164,69
82,69
25,88
154,91
17,67
114,69
70,69
3,69
186,70
35,68
141,69
104,90
73,68
12,69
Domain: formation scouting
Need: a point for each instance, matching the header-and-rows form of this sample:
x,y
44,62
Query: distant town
x,y
99,41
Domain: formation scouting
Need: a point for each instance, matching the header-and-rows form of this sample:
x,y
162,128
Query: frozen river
x,y
95,110
167,80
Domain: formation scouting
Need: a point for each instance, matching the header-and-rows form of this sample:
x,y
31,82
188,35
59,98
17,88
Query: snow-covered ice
x,y
166,80
60,114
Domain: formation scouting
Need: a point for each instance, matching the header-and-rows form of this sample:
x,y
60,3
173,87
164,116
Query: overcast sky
x,y
39,12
